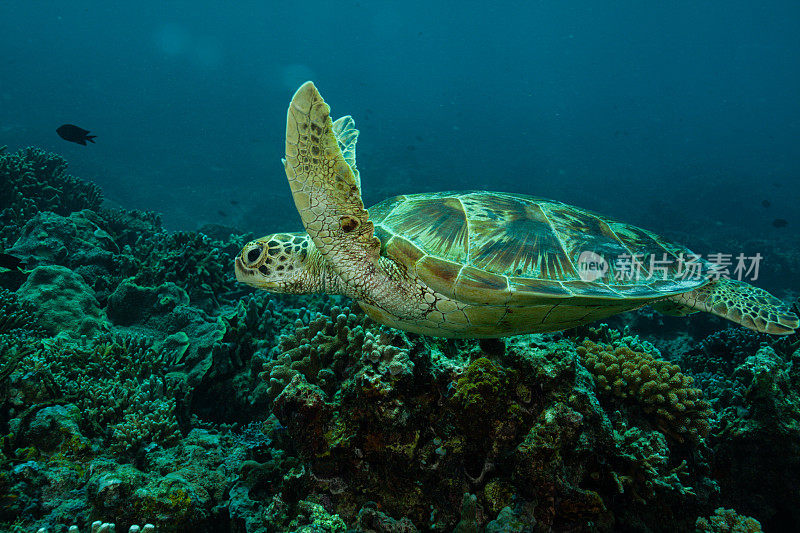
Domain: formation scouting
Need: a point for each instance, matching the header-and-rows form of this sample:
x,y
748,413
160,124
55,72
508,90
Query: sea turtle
x,y
474,264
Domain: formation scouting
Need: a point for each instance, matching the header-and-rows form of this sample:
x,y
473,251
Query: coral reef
x,y
757,436
139,383
79,243
34,181
64,302
727,521
192,260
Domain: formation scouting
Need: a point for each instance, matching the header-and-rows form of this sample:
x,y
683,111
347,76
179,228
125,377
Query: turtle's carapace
x,y
474,263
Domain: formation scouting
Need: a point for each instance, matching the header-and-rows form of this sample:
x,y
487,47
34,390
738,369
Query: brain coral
x,y
658,386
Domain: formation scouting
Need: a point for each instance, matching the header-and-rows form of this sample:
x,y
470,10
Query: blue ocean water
x,y
664,114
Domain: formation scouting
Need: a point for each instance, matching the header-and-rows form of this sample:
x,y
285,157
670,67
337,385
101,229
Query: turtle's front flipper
x,y
325,187
739,302
344,129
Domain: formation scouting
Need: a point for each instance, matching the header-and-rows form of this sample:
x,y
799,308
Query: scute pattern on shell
x,y
525,246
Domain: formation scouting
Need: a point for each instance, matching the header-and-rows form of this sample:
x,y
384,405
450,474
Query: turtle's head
x,y
282,262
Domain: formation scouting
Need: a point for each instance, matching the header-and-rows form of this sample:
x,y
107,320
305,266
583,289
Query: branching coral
x,y
149,417
658,386
113,381
191,260
250,331
127,226
34,180
16,315
643,469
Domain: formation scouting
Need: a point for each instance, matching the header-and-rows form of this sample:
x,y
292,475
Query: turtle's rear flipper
x,y
737,301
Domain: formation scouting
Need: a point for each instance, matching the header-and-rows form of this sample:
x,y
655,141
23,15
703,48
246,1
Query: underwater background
x,y
141,384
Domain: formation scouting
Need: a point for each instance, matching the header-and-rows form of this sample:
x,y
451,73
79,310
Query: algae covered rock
x,y
52,426
79,242
66,304
132,304
66,240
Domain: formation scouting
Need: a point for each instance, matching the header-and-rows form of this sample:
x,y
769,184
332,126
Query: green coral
x,y
64,302
658,386
727,521
34,180
111,380
192,260
16,315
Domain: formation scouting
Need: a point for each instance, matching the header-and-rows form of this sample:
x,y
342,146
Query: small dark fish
x,y
222,213
234,202
411,147
10,262
780,223
74,134
766,203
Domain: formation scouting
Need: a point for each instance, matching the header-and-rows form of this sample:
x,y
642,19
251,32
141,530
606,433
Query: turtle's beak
x,y
241,274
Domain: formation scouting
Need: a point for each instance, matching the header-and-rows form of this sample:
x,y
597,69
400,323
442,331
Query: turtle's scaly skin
x,y
473,264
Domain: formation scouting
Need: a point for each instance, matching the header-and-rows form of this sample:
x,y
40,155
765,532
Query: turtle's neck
x,y
320,275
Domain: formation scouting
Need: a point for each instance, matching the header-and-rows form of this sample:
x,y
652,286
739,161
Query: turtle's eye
x,y
253,254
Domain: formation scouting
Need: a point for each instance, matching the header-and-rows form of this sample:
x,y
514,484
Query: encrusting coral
x,y
658,386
